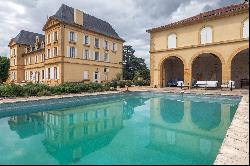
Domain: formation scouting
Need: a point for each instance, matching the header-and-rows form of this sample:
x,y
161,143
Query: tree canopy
x,y
134,67
4,69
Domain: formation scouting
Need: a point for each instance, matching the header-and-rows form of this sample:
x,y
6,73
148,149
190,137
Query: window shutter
x,y
93,55
103,44
46,73
94,77
108,57
100,57
76,53
89,40
246,29
75,37
172,41
53,36
57,37
68,36
115,47
52,73
47,39
83,39
203,36
52,52
58,72
68,51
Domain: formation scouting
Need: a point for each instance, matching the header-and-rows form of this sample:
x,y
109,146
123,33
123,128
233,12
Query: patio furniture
x,y
182,85
229,84
244,82
206,84
172,83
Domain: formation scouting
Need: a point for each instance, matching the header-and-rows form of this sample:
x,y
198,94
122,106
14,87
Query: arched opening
x,y
171,111
201,110
207,67
240,69
172,71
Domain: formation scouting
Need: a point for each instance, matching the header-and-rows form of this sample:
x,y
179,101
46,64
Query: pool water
x,y
133,128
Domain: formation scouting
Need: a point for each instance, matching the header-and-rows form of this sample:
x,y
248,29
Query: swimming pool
x,y
131,128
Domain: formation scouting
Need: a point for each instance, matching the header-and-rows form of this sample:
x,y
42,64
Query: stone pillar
x,y
187,75
226,72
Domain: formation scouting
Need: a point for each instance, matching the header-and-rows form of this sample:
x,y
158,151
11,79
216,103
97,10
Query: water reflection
x,y
189,128
182,129
74,133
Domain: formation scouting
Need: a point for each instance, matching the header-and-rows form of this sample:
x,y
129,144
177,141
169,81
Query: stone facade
x,y
223,33
75,48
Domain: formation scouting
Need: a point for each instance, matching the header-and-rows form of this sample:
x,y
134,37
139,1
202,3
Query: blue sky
x,y
130,18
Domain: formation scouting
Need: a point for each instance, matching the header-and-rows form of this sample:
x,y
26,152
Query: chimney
x,y
78,17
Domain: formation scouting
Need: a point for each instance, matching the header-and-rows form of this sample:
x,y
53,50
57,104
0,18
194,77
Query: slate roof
x,y
66,14
27,38
204,16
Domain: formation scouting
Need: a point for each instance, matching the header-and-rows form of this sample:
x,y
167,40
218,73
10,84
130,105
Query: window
x,y
14,52
55,73
97,56
96,43
96,76
72,36
55,51
71,119
172,41
14,62
114,48
85,75
86,39
246,29
106,70
48,53
106,57
85,116
13,75
31,75
86,54
49,73
106,47
43,75
55,36
49,38
72,52
25,61
26,76
29,60
43,57
36,59
206,35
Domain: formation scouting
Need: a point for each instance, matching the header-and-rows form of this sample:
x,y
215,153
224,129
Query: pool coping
x,y
235,147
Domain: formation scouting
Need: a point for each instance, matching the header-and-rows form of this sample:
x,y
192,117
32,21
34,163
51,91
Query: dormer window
x,y
106,45
42,44
37,39
86,40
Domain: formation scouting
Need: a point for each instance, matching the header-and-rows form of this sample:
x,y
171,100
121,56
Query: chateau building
x,y
211,46
76,47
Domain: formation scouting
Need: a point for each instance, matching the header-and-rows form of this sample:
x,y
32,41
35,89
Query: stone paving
x,y
235,147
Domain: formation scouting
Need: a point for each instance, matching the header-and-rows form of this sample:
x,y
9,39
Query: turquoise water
x,y
134,128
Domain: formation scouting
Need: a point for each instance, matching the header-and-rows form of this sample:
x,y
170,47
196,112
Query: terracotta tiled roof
x,y
206,15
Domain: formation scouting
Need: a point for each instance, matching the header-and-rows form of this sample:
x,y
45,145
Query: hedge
x,y
30,89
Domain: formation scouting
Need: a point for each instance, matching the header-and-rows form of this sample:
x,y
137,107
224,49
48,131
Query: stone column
x,y
187,75
226,72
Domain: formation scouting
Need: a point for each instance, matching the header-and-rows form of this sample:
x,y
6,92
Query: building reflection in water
x,y
180,127
74,133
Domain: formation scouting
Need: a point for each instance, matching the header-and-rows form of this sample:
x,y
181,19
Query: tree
x,y
133,67
4,69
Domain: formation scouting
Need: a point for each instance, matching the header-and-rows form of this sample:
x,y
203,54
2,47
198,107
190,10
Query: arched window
x,y
246,28
172,41
206,35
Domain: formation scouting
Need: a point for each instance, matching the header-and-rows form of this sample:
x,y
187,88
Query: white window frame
x,y
245,30
106,57
72,52
206,35
86,54
97,43
85,75
95,55
172,41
